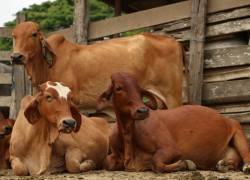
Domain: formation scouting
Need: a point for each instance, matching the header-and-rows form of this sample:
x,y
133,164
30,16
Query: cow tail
x,y
185,64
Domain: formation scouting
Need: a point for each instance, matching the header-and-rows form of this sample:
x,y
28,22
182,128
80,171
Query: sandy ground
x,y
121,175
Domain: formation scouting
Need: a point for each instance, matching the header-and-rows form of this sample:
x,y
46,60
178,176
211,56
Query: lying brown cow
x,y
50,133
6,126
156,61
169,140
1,116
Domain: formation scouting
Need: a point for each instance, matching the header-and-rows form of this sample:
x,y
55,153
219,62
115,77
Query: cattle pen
x,y
215,34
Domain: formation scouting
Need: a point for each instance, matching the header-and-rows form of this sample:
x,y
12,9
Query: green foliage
x,y
99,10
57,15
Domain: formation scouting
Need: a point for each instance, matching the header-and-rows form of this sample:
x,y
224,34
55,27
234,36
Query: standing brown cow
x,y
156,61
166,140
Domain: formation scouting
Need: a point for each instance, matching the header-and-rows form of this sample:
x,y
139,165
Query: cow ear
x,y
31,113
105,99
48,54
77,116
149,99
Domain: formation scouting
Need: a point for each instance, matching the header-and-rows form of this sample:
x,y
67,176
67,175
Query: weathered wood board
x,y
196,54
5,55
225,28
225,74
5,78
5,101
227,91
211,19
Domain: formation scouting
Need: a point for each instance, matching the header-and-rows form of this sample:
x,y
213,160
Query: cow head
x,y
29,45
6,126
127,97
53,103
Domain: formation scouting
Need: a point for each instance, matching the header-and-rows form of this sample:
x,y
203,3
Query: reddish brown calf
x,y
169,140
5,131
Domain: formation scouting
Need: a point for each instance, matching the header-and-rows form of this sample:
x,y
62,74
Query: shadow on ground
x,y
121,175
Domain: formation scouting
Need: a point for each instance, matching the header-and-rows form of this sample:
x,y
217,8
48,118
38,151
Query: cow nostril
x,y
8,129
69,123
142,110
16,56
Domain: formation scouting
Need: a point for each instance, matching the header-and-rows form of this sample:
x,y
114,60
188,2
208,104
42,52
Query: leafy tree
x,y
57,15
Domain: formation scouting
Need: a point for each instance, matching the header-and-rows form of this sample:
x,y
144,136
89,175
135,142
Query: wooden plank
x,y
226,57
5,101
155,16
19,78
19,84
226,74
196,55
232,108
225,28
246,129
211,18
226,92
5,32
241,117
81,21
5,68
5,55
5,78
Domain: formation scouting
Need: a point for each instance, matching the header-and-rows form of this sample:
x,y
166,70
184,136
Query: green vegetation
x,y
57,15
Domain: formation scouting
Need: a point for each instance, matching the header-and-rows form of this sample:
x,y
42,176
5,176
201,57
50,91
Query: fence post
x,y
197,39
80,25
22,84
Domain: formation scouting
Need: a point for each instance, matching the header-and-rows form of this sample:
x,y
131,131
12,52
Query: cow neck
x,y
39,144
40,70
126,127
4,145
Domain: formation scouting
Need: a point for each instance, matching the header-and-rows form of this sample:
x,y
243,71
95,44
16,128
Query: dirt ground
x,y
121,175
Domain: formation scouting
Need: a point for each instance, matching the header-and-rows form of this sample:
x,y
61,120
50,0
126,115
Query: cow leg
x,y
115,161
164,156
231,161
76,161
241,145
73,159
18,167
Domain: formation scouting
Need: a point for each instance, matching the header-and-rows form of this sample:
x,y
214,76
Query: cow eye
x,y
118,88
49,98
34,34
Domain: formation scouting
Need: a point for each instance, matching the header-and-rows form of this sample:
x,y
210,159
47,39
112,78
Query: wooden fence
x,y
222,76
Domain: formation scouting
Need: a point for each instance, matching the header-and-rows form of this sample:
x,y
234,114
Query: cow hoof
x,y
190,165
246,168
222,166
87,165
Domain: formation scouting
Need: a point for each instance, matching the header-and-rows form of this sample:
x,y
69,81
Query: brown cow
x,y
6,126
1,116
50,133
156,61
169,140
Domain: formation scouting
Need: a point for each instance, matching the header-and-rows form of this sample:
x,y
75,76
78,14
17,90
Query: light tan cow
x,y
50,134
156,61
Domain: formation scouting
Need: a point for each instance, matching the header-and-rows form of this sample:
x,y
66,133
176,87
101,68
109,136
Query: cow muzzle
x,y
67,125
5,131
141,113
17,58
